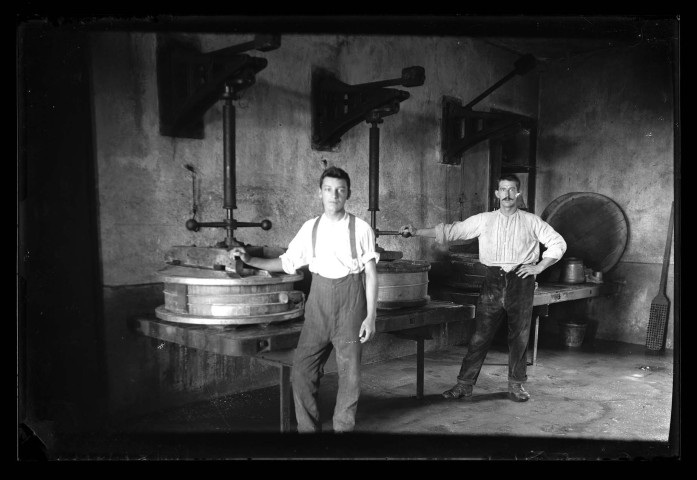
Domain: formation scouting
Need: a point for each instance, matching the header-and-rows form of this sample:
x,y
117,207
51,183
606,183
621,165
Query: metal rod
x,y
211,224
393,232
234,50
230,229
381,83
374,171
229,199
491,89
229,163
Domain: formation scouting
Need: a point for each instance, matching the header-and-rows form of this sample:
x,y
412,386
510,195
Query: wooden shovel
x,y
658,315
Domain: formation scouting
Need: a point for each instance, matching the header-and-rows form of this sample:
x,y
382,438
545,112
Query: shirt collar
x,y
508,216
341,219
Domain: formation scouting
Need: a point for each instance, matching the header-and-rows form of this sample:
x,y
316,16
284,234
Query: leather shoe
x,y
517,393
460,390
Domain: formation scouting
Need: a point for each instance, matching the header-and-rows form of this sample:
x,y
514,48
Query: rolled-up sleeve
x,y
551,239
297,254
366,245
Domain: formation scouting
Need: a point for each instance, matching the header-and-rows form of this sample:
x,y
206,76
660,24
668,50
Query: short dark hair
x,y
510,177
335,172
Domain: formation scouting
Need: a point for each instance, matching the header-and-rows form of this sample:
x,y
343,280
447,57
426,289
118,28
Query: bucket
x,y
572,334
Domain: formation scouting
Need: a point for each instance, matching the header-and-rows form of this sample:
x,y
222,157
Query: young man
x,y
341,306
509,248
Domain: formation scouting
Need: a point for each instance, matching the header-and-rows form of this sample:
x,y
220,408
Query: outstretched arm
x,y
268,264
417,232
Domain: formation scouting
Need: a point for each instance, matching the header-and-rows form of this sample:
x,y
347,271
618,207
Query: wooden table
x,y
545,295
275,343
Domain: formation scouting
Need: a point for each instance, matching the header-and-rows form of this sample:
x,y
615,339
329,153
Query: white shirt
x,y
506,241
332,248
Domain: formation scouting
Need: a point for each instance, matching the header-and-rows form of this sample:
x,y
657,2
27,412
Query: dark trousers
x,y
334,312
502,294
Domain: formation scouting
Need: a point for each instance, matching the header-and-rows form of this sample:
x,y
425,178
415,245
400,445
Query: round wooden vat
x,y
593,226
402,283
210,297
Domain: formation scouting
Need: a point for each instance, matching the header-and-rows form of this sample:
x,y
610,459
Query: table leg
x,y
537,332
420,368
286,398
537,313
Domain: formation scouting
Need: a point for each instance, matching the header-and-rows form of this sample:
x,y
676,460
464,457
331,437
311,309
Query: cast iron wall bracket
x,y
190,82
337,107
462,128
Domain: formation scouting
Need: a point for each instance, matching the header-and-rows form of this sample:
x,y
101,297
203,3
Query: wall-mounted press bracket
x,y
337,107
462,128
189,82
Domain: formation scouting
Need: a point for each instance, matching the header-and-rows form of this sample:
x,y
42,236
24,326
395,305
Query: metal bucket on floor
x,y
402,283
572,334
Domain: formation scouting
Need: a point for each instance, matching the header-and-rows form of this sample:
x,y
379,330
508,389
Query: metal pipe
x,y
229,194
229,164
381,83
490,89
393,232
522,66
374,171
230,229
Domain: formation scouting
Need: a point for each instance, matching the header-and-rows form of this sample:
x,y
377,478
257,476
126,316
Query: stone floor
x,y
608,401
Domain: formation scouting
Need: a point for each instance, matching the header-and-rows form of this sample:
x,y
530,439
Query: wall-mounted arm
x,y
462,128
190,82
338,107
521,67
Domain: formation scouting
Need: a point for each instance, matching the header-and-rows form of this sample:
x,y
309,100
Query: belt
x,y
500,269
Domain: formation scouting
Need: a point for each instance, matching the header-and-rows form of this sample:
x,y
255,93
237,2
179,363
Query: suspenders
x,y
352,235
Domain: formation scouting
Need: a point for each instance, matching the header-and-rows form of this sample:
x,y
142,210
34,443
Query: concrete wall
x,y
145,191
606,126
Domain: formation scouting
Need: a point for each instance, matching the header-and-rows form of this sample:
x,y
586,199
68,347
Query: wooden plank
x,y
230,341
252,340
545,294
240,320
433,313
554,293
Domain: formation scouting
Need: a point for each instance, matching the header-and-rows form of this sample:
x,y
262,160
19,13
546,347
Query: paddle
x,y
658,315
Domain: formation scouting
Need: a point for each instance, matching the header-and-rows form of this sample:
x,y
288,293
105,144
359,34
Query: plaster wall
x,y
606,126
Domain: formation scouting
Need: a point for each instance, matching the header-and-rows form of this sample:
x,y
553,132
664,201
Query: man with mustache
x,y
341,307
509,248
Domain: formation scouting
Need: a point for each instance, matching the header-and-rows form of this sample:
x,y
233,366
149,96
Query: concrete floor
x,y
608,401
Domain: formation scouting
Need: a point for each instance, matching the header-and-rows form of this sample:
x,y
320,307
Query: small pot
x,y
572,271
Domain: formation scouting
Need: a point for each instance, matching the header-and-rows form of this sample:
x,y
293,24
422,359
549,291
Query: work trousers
x,y
334,312
502,294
